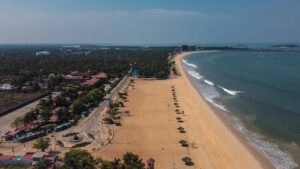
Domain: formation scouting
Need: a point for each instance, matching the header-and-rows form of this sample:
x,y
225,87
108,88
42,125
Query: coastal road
x,y
93,124
122,85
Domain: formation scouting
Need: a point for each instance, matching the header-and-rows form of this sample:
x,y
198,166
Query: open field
x,y
6,120
12,99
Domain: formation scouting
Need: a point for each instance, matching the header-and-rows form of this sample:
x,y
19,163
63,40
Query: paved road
x,y
114,94
93,124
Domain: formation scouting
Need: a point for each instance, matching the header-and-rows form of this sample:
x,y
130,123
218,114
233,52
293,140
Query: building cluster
x,y
85,78
36,129
41,83
30,158
41,126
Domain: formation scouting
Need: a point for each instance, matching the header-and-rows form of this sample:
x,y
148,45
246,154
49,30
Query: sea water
x,y
258,93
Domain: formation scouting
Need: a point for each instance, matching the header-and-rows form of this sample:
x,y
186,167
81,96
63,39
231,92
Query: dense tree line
x,y
25,65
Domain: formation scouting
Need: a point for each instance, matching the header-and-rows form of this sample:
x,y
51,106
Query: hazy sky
x,y
149,21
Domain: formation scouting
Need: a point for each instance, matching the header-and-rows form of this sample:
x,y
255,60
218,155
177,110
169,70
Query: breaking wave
x,y
280,159
222,107
231,92
209,82
195,74
189,64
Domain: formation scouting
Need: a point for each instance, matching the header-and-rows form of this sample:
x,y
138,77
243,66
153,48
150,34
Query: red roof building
x,y
75,73
14,133
57,110
100,76
30,126
53,118
74,76
71,77
27,156
91,82
6,157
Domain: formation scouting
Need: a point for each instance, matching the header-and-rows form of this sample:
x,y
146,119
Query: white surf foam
x,y
189,64
209,82
210,93
216,104
195,74
280,159
231,92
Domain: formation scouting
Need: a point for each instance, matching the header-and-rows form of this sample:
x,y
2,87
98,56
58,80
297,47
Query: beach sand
x,y
151,129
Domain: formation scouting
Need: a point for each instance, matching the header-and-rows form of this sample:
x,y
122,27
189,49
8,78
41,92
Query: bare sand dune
x,y
151,130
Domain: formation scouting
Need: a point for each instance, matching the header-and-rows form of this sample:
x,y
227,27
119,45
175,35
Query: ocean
x,y
258,93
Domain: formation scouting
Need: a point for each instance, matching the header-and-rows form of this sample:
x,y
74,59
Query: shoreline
x,y
264,161
151,129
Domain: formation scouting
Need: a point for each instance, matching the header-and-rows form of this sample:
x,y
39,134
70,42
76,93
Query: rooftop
x,y
6,157
101,75
91,82
72,77
38,155
53,118
57,110
27,156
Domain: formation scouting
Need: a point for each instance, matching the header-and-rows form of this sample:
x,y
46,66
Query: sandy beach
x,y
151,129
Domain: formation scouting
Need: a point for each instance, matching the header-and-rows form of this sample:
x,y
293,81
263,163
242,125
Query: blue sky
x,y
149,21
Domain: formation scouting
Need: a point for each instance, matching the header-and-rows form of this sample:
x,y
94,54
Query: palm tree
x,y
18,122
104,164
77,158
42,143
133,161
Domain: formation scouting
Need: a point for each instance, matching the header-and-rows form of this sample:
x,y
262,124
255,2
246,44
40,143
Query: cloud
x,y
118,26
172,13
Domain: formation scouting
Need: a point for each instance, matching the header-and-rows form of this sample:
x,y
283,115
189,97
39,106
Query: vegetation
x,y
87,100
81,144
91,136
108,120
130,161
18,122
14,167
71,109
42,144
40,165
41,113
174,68
70,134
60,143
111,115
24,65
77,158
